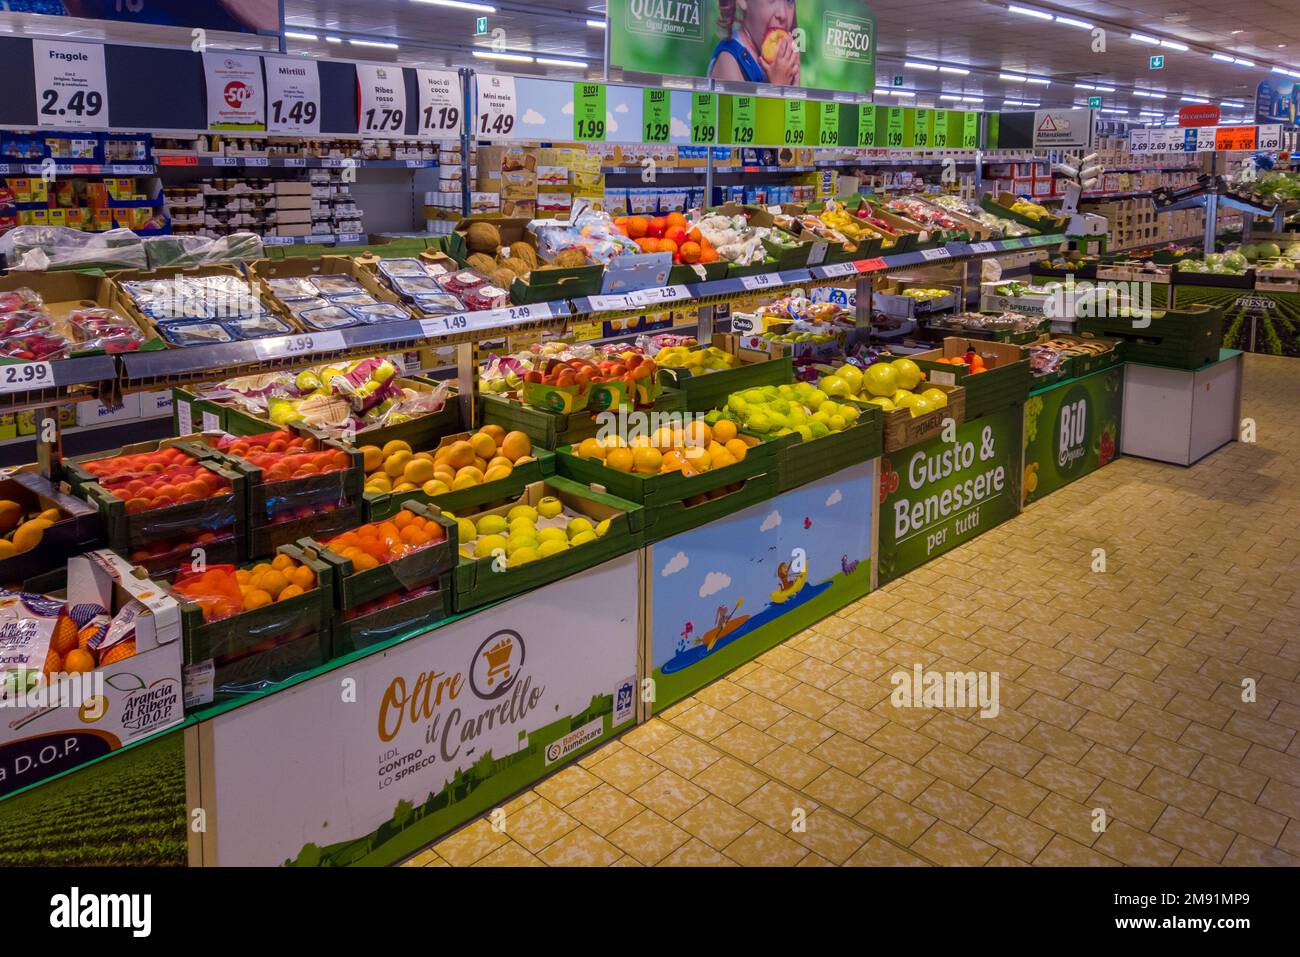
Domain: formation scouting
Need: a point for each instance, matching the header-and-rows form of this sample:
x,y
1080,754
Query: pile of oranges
x,y
377,543
149,480
690,449
223,591
284,455
668,234
70,650
488,455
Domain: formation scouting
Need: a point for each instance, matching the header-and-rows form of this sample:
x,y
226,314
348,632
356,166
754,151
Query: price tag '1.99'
x,y
71,88
440,104
26,376
382,104
496,105
292,96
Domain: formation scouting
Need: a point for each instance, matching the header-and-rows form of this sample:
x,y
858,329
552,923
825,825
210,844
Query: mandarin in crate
x,y
485,447
495,431
591,449
647,461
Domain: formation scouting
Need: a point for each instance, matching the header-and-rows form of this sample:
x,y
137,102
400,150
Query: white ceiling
x,y
978,34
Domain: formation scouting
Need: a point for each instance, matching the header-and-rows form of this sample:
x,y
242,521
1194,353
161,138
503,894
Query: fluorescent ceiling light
x,y
1149,113
951,97
461,5
1221,56
333,39
1173,45
913,65
1237,103
1117,112
973,99
554,62
1191,99
374,43
1084,86
1027,12
291,35
1012,77
1071,22
596,24
894,92
1038,81
955,70
1149,95
512,57
1143,38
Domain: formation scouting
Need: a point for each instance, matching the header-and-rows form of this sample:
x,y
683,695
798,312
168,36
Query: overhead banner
x,y
1278,101
71,85
1062,128
292,96
820,44
240,16
441,106
236,98
391,751
381,99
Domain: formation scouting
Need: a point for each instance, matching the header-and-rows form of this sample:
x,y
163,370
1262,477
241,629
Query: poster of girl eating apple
x,y
821,44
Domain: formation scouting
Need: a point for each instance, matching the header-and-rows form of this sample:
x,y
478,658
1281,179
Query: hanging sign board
x,y
744,120
236,98
796,123
1205,114
656,116
440,104
828,126
1062,128
292,96
381,99
496,105
970,131
71,89
704,119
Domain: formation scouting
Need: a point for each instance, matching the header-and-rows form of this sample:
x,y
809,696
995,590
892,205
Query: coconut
x,y
483,238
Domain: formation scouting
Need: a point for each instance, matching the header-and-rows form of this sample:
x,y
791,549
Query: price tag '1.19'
x,y
440,104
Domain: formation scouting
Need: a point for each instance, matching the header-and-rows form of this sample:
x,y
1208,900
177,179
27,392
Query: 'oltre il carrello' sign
x,y
824,44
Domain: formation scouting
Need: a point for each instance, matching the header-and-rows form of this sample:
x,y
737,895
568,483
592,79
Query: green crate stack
x,y
550,430
1184,338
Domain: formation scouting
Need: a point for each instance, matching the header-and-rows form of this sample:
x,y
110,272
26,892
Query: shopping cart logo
x,y
497,664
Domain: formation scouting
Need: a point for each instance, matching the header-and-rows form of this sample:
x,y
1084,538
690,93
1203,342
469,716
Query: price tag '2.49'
x,y
71,88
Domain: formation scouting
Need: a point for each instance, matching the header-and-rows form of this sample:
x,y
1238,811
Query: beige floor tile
x,y
686,755
423,859
841,791
1063,852
761,846
470,843
897,741
648,837
831,835
878,852
510,855
1014,834
842,752
746,744
946,845
1127,805
1069,818
952,804
963,770
808,701
1009,791
669,794
1134,847
1248,852
778,806
695,853
1179,791
896,777
651,736
705,722
757,711
801,732
715,822
731,780
581,847
791,766
538,824
1196,834
627,770
604,809
1249,819
900,822
721,693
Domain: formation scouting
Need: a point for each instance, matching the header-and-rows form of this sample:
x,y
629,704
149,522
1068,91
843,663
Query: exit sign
x,y
1094,102
898,79
1158,62
480,26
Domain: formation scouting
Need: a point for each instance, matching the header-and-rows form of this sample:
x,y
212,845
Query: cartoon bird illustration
x,y
848,566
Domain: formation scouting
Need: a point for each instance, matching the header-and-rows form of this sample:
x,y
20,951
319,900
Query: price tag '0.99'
x,y
440,104
287,346
71,88
292,96
26,376
496,105
381,108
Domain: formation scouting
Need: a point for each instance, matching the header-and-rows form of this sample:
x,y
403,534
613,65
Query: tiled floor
x,y
1121,694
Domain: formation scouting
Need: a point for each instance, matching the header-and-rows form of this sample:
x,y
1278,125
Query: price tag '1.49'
x,y
496,105
292,96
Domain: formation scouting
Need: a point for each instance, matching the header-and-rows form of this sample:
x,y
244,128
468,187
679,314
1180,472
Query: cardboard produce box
x,y
66,291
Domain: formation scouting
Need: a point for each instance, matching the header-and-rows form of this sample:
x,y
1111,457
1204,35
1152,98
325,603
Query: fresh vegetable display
x,y
999,225
696,361
922,212
29,333
526,533
1047,356
1222,264
890,384
1013,322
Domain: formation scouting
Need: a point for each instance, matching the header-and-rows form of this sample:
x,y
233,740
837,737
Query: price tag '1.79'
x,y
26,376
382,106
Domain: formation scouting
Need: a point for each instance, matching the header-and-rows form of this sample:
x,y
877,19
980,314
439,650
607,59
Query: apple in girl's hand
x,y
771,43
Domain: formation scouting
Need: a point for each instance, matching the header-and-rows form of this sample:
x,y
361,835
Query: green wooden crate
x,y
266,645
381,505
352,588
549,430
684,274
199,414
125,531
1000,386
710,390
799,462
1183,338
420,431
360,628
479,583
675,503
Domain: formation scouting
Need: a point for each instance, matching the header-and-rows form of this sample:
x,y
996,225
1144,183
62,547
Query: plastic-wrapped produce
x,y
591,237
43,248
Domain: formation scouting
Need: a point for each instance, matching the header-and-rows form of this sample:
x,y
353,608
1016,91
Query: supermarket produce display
x,y
533,474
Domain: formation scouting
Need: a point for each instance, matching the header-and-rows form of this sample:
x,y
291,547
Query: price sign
x,y
381,107
664,294
978,248
839,269
1234,138
236,100
970,131
922,123
441,325
828,125
869,265
586,331
817,254
281,346
894,127
939,139
510,315
744,120
26,376
496,105
763,280
1139,141
589,112
796,123
71,89
440,104
656,116
614,303
292,96
256,161
704,119
930,255
866,125
1269,137
1205,139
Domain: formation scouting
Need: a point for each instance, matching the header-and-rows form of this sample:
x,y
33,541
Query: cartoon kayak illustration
x,y
789,587
725,622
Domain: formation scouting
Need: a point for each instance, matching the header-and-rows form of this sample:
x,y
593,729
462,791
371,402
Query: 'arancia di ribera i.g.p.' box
x,y
46,728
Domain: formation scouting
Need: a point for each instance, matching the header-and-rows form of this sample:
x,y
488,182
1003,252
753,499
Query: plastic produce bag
x,y
42,248
200,251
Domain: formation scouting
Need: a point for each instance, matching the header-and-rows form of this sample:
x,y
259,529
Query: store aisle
x,y
1121,693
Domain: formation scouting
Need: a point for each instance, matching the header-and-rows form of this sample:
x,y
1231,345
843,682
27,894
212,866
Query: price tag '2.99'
x,y
288,346
26,376
496,105
292,96
440,104
382,103
71,88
